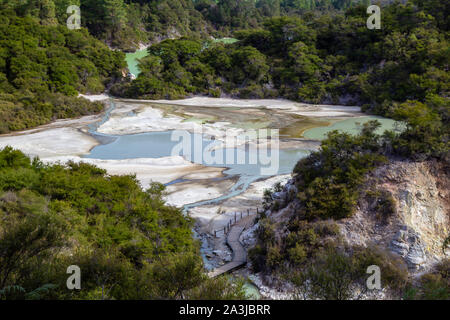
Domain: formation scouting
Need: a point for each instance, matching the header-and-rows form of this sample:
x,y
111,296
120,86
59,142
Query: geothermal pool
x,y
207,151
162,144
132,60
351,126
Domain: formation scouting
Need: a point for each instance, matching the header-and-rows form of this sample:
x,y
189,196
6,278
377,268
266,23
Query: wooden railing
x,y
233,221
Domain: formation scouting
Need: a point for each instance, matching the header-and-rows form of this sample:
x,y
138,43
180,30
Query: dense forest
x,y
127,242
126,23
43,67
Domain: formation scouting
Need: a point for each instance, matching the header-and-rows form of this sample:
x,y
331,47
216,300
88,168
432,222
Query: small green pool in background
x,y
352,126
133,57
132,61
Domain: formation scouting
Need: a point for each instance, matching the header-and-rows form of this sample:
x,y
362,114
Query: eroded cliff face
x,y
417,228
403,211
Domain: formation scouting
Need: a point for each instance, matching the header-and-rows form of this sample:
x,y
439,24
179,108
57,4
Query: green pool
x,y
132,60
352,126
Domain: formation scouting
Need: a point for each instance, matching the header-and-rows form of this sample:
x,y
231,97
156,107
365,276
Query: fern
x,y
11,289
38,293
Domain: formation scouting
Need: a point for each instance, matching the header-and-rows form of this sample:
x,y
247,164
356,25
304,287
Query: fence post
x,y
257,210
215,233
235,217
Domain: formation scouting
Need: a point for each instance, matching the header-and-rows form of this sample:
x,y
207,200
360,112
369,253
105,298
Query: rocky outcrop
x,y
417,228
408,244
403,209
284,197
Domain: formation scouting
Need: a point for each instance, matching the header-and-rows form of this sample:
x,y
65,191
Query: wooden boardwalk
x,y
239,252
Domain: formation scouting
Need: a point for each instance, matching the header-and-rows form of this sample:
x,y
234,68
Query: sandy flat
x,y
195,191
150,119
322,110
51,142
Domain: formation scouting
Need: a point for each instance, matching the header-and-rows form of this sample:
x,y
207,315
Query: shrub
x,y
434,285
266,231
394,272
383,203
297,254
257,256
274,257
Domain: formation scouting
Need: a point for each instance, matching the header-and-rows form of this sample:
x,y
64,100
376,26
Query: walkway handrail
x,y
233,221
239,252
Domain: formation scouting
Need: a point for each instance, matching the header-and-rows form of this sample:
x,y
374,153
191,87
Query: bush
x,y
297,254
331,276
394,271
274,257
266,231
257,256
126,241
434,285
383,203
328,180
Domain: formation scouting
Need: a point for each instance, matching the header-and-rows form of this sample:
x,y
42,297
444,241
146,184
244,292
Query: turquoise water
x,y
132,60
160,144
252,291
352,126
